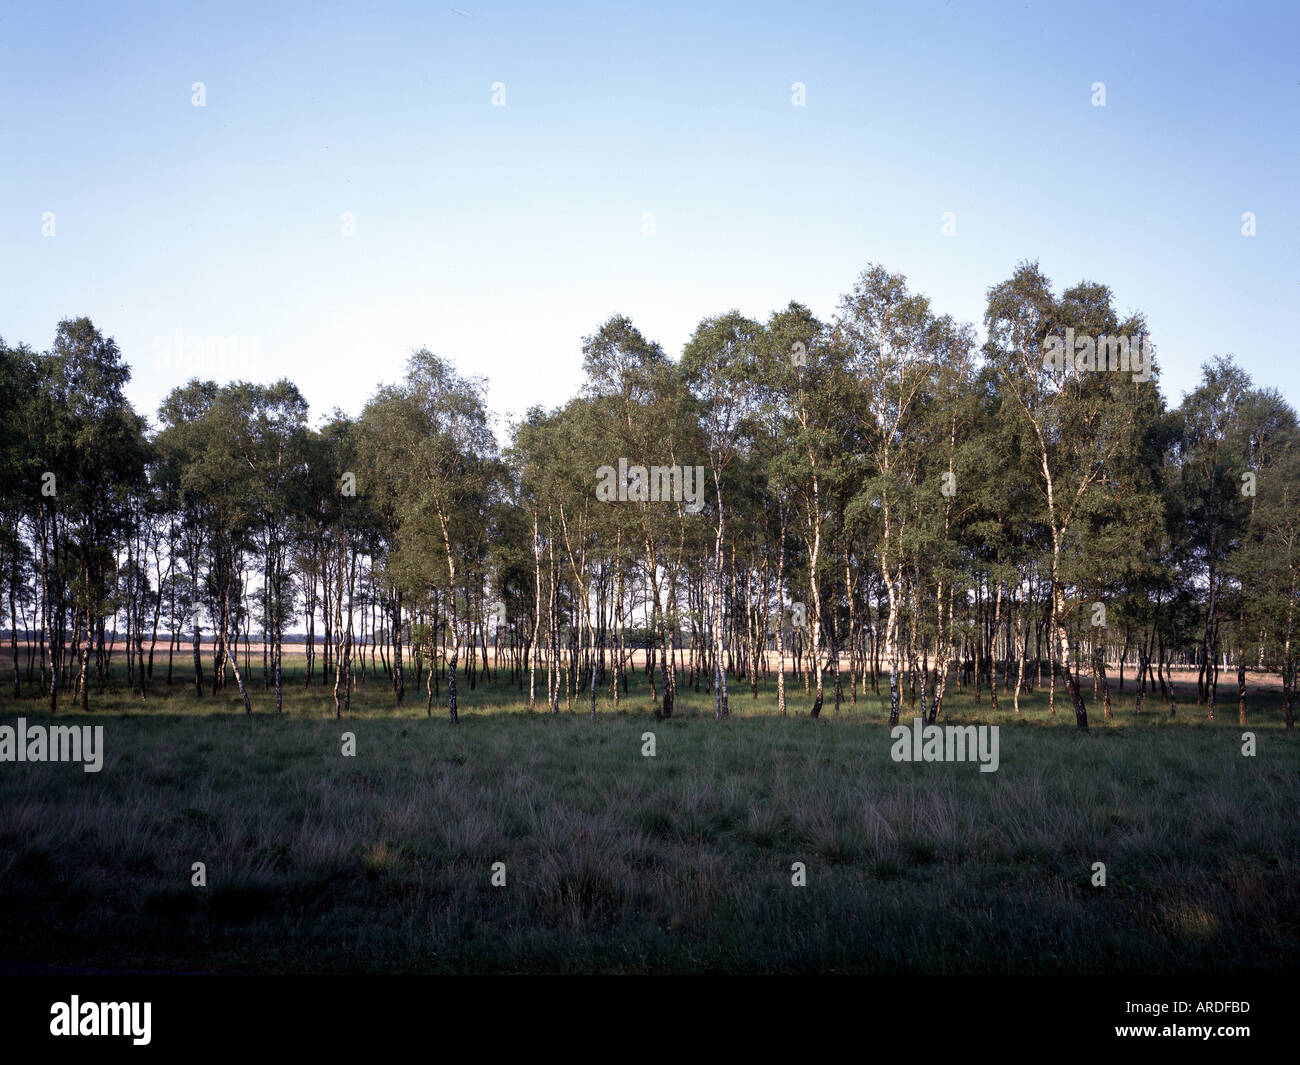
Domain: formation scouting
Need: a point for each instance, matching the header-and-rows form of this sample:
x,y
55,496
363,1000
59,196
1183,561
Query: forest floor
x,y
615,861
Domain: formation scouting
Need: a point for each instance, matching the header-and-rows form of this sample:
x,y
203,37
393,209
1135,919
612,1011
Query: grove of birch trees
x,y
888,505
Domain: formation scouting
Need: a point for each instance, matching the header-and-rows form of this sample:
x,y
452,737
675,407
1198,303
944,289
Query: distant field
x,y
619,862
372,691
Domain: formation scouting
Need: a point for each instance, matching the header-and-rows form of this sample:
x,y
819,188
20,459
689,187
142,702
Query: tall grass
x,y
619,862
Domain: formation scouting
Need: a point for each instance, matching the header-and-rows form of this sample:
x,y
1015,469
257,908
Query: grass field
x,y
680,862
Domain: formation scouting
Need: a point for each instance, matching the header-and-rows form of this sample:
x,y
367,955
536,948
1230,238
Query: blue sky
x,y
498,236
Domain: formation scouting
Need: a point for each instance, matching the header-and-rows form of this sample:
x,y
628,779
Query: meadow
x,y
618,862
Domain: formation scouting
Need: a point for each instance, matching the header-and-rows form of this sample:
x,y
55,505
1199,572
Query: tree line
x,y
882,500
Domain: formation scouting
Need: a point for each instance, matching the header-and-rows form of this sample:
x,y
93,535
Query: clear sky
x,y
648,160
